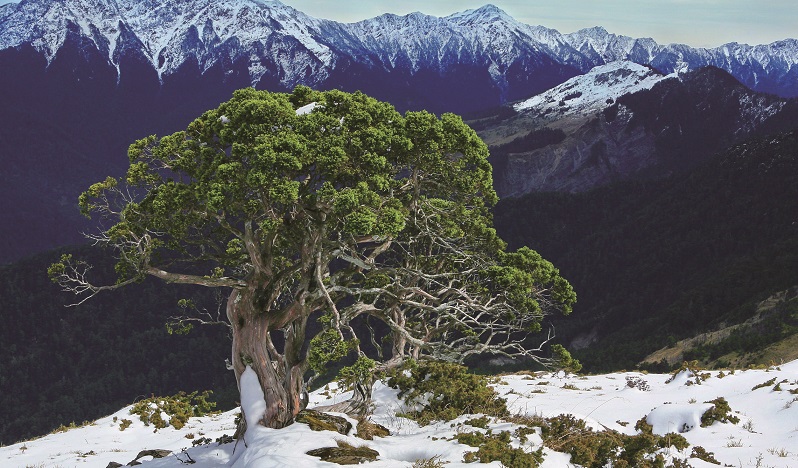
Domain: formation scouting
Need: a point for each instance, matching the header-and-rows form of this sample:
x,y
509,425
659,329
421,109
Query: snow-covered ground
x,y
766,436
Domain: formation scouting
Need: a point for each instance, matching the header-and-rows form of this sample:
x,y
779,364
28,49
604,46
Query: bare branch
x,y
181,278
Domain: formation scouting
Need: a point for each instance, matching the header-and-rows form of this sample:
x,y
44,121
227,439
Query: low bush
x,y
178,408
496,447
702,454
721,411
588,448
445,391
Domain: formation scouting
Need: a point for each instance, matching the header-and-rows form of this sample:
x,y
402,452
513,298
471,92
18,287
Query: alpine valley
x,y
661,179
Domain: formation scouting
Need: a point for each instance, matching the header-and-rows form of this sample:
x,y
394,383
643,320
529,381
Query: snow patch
x,y
677,418
252,401
307,108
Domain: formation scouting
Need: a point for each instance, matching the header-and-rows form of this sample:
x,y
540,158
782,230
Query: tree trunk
x,y
360,405
280,374
399,342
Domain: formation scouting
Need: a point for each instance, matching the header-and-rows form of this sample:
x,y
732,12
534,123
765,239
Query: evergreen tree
x,y
331,204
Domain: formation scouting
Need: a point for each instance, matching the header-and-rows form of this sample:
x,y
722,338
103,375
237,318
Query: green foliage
x,y
481,422
327,347
702,454
253,158
58,268
95,191
764,384
179,408
563,360
448,391
496,447
589,448
362,371
643,426
525,269
720,411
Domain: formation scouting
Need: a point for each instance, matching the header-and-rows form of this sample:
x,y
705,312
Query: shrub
x,y
721,411
764,384
361,371
702,454
368,430
496,447
564,361
177,407
695,368
638,383
445,390
566,433
481,423
71,426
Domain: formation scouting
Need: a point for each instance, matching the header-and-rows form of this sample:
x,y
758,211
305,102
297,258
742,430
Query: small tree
x,y
324,203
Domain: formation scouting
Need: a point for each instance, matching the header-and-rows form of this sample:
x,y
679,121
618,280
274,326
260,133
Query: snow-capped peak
x,y
594,90
485,14
166,30
270,37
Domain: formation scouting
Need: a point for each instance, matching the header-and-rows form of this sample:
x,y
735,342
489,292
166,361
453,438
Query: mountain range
x,y
276,45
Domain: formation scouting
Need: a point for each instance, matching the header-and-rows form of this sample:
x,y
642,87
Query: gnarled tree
x,y
331,204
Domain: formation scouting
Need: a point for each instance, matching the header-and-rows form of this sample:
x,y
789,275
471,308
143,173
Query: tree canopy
x,y
331,205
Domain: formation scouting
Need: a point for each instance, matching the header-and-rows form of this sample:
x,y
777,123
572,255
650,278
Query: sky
x,y
699,23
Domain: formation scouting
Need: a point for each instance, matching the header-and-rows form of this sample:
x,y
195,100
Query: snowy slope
x,y
767,434
592,91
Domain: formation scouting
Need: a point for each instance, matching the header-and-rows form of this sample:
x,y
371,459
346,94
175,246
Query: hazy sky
x,y
702,23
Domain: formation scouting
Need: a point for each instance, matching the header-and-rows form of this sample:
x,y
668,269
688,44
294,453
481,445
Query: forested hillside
x,y
59,365
657,261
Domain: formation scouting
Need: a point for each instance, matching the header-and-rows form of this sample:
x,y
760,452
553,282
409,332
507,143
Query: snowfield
x,y
593,91
766,402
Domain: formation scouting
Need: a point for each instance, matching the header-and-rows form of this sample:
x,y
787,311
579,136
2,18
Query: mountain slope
x,y
668,258
623,121
592,91
770,335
